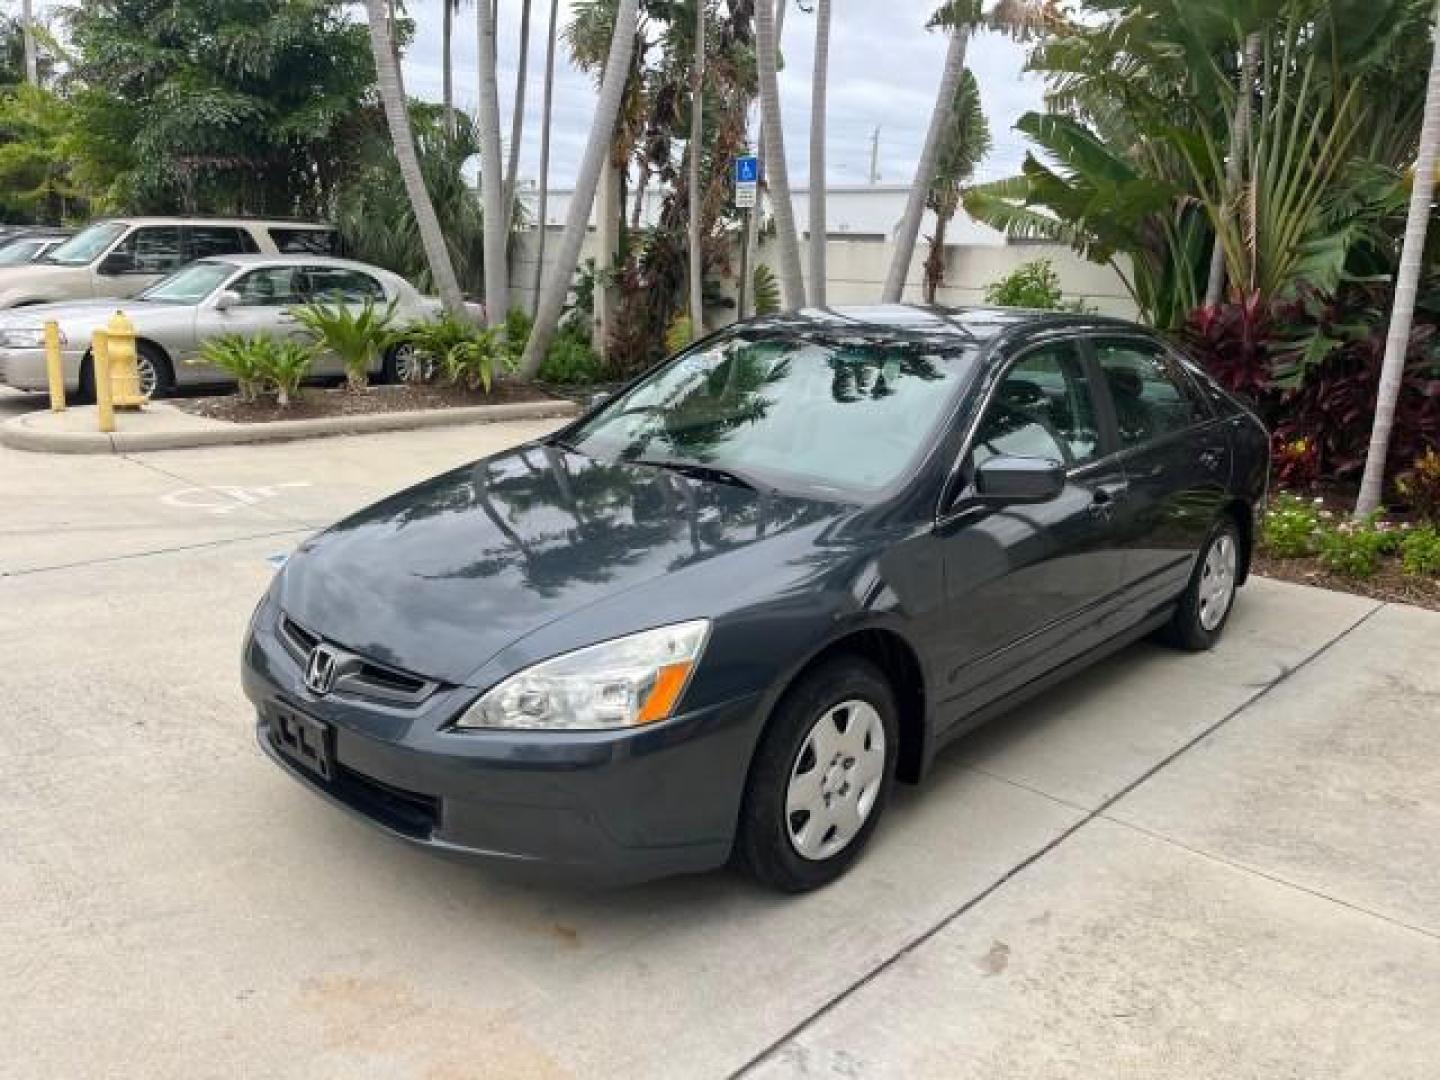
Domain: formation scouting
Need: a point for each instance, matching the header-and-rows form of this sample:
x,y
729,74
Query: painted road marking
x,y
226,498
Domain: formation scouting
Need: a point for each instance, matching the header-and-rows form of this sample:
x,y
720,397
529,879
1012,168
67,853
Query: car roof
x,y
180,219
974,325
262,259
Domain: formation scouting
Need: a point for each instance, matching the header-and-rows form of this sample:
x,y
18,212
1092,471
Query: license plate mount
x,y
304,740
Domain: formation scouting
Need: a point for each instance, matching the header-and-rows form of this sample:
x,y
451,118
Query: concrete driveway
x,y
1174,866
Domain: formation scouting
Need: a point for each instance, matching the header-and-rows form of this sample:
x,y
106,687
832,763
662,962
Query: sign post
x,y
747,186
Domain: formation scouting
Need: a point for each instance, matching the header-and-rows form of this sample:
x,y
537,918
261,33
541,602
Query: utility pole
x,y
875,157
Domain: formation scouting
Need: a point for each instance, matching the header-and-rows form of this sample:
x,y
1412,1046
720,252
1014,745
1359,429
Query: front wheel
x,y
1205,605
404,363
820,778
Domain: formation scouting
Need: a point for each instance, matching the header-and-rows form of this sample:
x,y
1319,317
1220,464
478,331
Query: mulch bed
x,y
316,402
1390,583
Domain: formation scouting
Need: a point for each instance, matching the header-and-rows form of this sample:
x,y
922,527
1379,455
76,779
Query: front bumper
x,y
613,807
24,369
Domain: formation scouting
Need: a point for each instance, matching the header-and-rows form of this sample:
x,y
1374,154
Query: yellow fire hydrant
x,y
124,371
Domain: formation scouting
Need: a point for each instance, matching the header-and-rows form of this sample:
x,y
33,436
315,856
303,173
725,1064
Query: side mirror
x,y
117,262
227,299
1019,480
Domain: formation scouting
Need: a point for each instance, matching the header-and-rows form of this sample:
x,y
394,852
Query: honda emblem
x,y
320,671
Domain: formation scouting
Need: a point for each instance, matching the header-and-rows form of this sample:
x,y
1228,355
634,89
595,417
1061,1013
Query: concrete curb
x,y
20,435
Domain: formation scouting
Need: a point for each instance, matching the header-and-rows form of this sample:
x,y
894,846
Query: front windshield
x,y
86,245
842,415
190,284
19,252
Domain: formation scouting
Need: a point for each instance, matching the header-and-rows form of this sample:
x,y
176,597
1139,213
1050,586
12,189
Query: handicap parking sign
x,y
747,169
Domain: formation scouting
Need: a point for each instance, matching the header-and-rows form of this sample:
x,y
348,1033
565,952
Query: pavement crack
x,y
840,996
126,556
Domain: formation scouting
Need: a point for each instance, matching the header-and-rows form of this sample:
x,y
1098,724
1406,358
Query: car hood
x,y
440,578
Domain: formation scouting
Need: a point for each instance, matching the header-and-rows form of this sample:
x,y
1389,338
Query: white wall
x,y
857,270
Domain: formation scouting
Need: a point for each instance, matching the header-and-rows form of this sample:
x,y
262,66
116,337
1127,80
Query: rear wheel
x,y
157,377
1205,606
820,778
404,363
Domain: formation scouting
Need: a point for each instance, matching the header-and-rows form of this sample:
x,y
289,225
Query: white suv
x,y
121,256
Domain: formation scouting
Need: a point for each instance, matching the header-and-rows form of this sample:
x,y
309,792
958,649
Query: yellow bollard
x,y
100,361
54,371
120,343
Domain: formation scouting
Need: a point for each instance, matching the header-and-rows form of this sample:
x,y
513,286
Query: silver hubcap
x,y
409,366
1217,581
836,779
149,380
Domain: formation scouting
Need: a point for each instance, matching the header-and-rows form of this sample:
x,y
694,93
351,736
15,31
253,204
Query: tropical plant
x,y
1291,526
819,104
792,281
1419,486
679,334
37,163
431,340
546,113
612,91
767,291
1353,549
230,106
1420,551
696,272
752,220
517,122
472,363
492,171
284,365
235,355
358,334
1030,285
571,360
376,220
397,115
966,142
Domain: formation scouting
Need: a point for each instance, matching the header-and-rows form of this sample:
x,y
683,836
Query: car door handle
x,y
1106,496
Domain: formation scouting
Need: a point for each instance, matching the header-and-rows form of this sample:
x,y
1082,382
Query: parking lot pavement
x,y
1216,865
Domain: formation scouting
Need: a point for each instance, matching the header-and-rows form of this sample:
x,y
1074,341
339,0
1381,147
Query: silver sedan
x,y
236,294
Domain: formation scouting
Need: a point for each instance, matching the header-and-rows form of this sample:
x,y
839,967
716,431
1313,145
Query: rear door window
x,y
337,285
1151,398
273,286
150,249
204,241
1042,408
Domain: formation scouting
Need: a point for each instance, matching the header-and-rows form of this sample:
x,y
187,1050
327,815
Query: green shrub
x,y
284,365
233,354
1292,527
357,335
767,291
1031,285
679,334
472,363
433,339
1420,486
571,361
1353,549
518,325
1420,551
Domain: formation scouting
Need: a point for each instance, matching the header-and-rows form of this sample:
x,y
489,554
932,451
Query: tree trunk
x,y
792,279
818,105
909,231
697,135
492,174
392,97
27,28
1407,283
546,110
517,118
607,233
752,223
447,62
1239,143
577,220
935,263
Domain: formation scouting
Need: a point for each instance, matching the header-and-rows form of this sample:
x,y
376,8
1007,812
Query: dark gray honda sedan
x,y
721,614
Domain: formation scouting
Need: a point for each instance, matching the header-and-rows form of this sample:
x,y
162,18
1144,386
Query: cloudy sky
x,y
884,71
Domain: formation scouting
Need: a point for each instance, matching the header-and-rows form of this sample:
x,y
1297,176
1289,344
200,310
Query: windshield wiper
x,y
698,470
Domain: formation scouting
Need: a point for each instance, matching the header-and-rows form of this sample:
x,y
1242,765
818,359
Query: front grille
x,y
358,675
406,812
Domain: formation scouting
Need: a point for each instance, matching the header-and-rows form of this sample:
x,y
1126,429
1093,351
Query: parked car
x,y
122,256
238,294
722,612
21,246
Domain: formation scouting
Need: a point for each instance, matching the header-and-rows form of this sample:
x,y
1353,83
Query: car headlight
x,y
25,337
627,682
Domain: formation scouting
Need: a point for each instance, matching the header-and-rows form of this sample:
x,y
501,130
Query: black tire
x,y
85,384
145,353
763,845
1188,627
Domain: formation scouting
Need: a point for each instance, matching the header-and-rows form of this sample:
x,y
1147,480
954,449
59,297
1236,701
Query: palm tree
x,y
448,8
492,174
959,18
27,26
392,97
752,225
818,106
792,281
697,134
1407,283
517,117
577,218
546,111
1235,163
967,141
